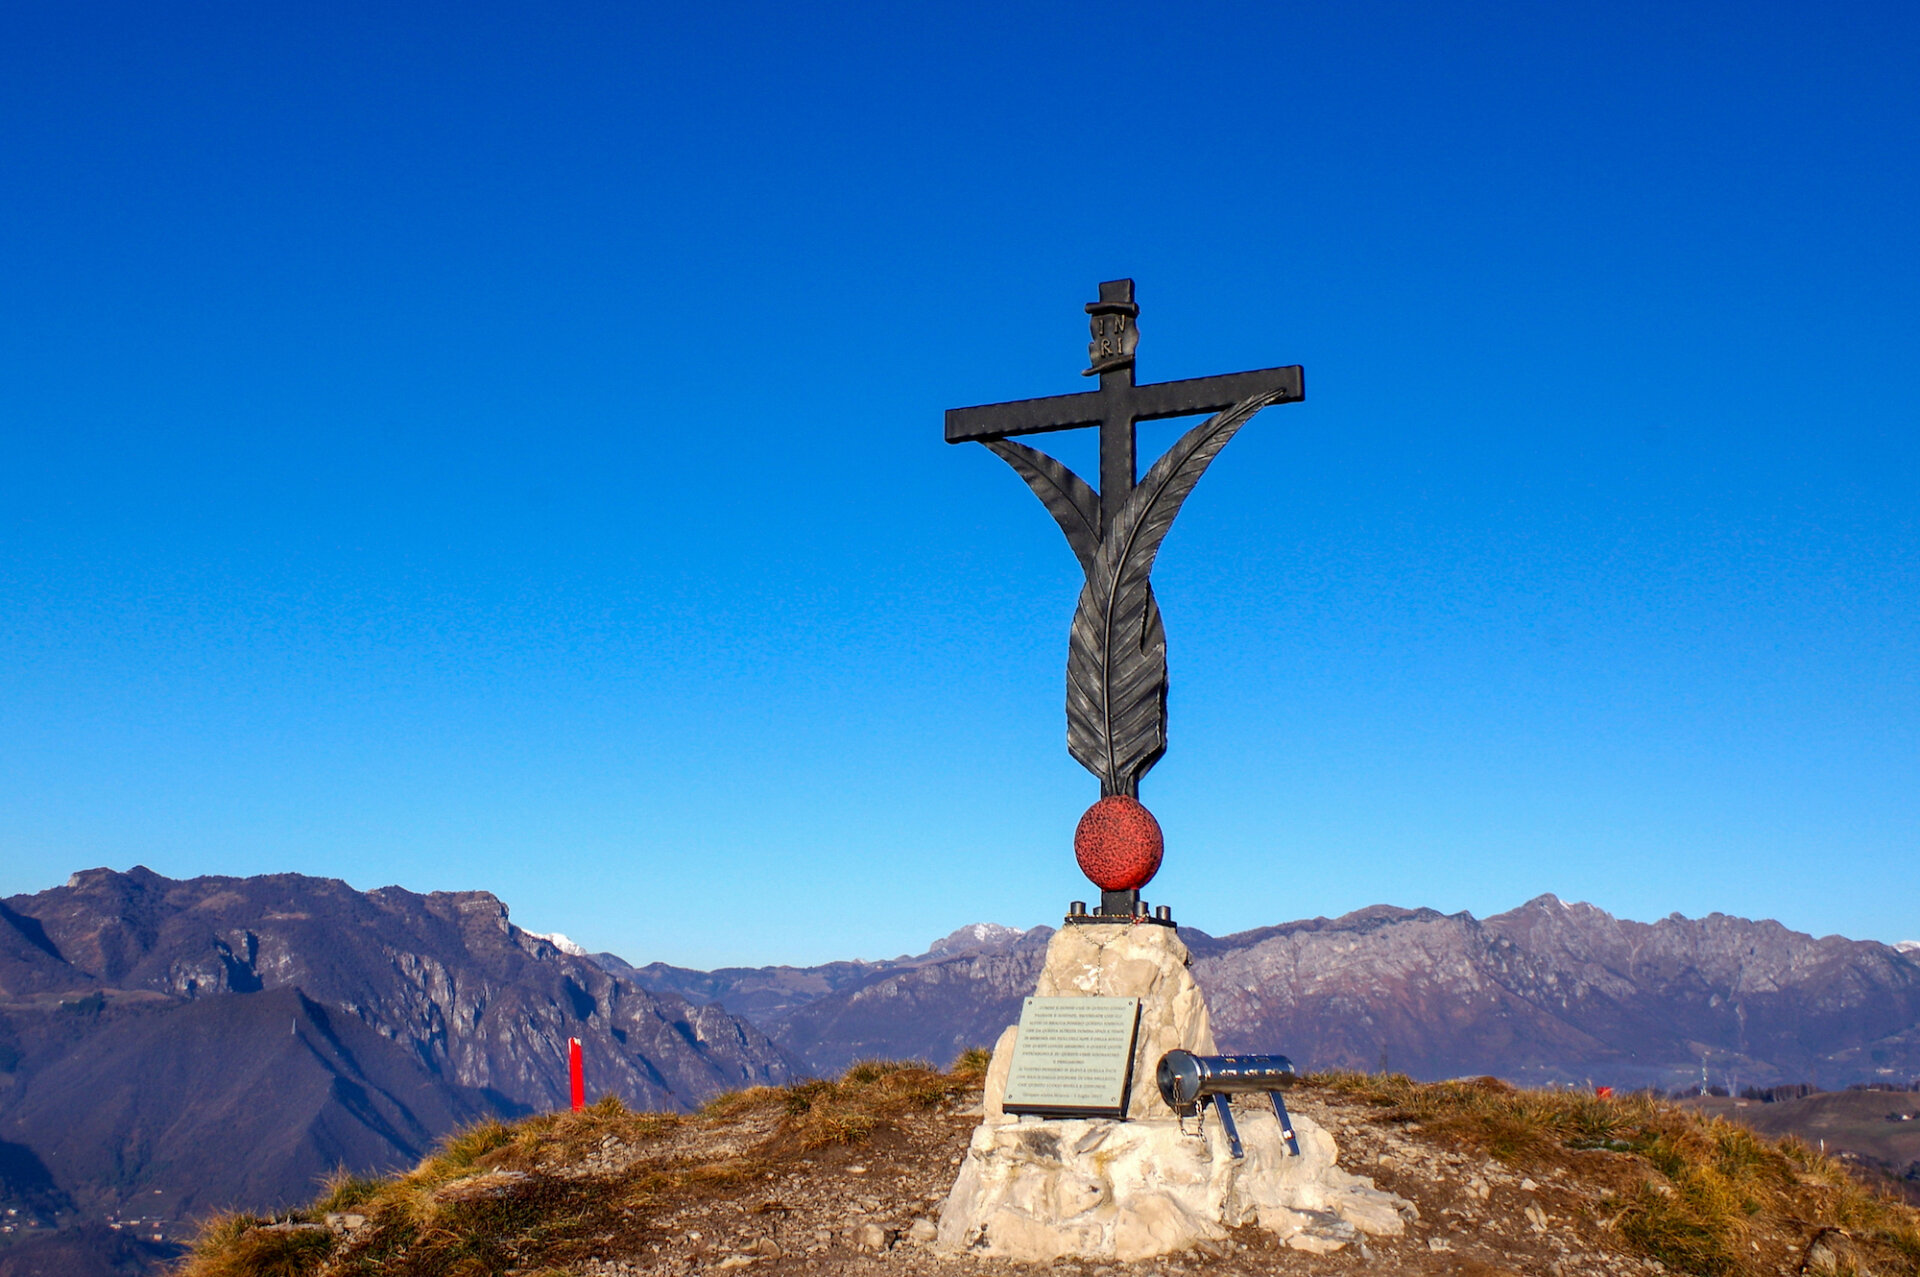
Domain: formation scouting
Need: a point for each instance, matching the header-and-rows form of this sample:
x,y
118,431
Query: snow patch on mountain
x,y
977,937
560,942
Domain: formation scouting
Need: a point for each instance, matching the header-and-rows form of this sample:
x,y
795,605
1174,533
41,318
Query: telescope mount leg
x,y
1224,1108
1286,1123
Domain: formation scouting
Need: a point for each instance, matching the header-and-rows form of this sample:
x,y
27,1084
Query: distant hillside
x,y
1877,1129
168,1047
931,1007
1549,992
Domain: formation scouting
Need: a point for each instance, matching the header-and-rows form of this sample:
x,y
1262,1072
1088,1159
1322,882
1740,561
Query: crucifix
x,y
1117,649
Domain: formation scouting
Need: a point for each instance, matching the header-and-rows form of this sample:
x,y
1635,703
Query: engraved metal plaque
x,y
1073,1058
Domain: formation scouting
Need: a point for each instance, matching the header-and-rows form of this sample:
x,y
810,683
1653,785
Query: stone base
x,y
1127,961
1040,1190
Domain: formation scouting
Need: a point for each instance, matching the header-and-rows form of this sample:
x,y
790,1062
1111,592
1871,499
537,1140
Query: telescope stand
x,y
1223,1105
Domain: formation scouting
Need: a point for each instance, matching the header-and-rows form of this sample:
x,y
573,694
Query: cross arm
x,y
1207,394
1143,403
1025,416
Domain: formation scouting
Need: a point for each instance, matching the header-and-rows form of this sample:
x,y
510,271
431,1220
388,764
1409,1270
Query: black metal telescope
x,y
1188,1081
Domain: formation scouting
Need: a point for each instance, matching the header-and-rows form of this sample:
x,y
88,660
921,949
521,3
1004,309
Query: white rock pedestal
x,y
1044,1189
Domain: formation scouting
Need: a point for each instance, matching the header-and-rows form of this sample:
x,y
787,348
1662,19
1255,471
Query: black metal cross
x,y
1117,647
1119,404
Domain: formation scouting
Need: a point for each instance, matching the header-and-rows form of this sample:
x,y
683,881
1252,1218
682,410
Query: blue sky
x,y
499,447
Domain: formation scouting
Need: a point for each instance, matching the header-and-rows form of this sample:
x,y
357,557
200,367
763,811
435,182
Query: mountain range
x,y
168,1048
1546,993
173,1047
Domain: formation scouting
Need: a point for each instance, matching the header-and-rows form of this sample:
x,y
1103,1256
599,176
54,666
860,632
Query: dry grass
x,y
1698,1190
235,1246
546,1193
344,1191
490,1197
477,1205
820,1113
817,1113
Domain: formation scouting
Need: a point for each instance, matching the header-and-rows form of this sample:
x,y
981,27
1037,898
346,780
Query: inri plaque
x,y
1073,1058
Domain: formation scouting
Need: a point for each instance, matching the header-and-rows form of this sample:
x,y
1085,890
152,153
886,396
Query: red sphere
x,y
1118,844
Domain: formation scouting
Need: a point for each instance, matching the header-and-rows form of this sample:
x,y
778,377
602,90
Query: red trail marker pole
x,y
576,1074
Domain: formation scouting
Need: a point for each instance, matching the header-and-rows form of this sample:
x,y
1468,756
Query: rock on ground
x,y
1041,1190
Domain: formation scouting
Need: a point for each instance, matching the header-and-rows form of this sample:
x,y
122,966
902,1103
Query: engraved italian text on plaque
x,y
1073,1057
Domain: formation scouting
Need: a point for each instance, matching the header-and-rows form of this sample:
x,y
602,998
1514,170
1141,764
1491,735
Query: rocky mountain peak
x,y
977,937
381,1018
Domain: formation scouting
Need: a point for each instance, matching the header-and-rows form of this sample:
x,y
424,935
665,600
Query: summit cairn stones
x,y
1109,960
1041,1189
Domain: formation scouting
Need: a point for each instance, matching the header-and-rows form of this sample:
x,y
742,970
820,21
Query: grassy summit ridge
x,y
558,1188
844,1176
1699,1194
